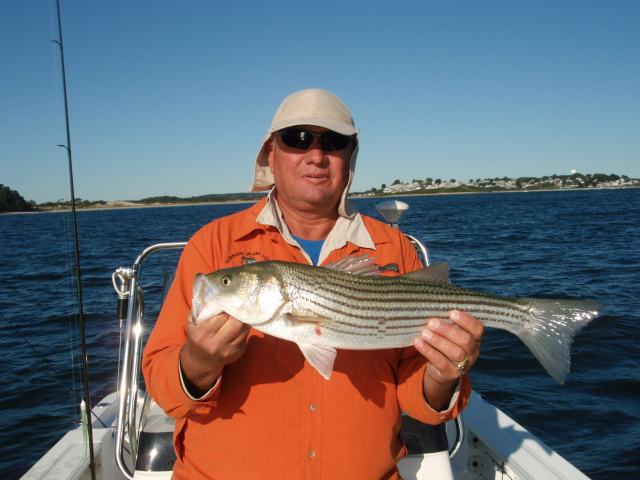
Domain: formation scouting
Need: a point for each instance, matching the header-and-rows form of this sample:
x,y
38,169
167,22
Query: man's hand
x,y
451,351
211,345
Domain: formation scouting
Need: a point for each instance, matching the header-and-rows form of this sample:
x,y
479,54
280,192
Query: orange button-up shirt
x,y
271,415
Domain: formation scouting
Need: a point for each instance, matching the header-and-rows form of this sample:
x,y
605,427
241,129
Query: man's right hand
x,y
211,345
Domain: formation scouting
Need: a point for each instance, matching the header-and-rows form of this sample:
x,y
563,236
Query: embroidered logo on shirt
x,y
247,257
393,267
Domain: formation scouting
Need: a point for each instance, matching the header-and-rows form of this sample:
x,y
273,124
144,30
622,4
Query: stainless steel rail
x,y
421,249
130,367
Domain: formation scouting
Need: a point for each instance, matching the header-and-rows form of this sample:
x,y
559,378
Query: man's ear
x,y
269,151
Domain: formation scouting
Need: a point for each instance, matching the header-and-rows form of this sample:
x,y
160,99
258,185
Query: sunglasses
x,y
302,139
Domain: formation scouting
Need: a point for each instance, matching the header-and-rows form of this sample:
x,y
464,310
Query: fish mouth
x,y
204,295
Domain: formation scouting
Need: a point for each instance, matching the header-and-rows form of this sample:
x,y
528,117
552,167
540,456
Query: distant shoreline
x,y
129,205
408,194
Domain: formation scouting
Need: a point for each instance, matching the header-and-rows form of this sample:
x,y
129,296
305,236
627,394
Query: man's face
x,y
312,179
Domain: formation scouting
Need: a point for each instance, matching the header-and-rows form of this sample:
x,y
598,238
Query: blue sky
x,y
174,98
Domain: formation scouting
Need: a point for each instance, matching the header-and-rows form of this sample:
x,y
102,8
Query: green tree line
x,y
214,197
12,201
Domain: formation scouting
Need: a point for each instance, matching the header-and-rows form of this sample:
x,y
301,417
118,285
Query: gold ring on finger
x,y
461,366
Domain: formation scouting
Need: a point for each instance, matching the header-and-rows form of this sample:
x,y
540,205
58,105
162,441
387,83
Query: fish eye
x,y
226,280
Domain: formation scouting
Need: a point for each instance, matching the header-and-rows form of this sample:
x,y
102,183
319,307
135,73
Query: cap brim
x,y
340,127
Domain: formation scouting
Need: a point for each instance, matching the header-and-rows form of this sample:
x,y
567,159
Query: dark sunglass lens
x,y
299,139
332,141
302,139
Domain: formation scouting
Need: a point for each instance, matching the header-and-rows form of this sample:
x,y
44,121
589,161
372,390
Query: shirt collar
x,y
347,229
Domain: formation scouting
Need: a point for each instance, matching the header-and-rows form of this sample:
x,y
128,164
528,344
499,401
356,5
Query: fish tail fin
x,y
550,330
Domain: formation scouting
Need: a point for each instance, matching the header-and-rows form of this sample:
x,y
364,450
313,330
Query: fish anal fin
x,y
321,358
438,273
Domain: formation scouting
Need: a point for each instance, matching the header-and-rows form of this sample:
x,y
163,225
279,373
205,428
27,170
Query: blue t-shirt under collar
x,y
312,247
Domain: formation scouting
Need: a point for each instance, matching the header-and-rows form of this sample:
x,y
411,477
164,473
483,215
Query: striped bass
x,y
349,305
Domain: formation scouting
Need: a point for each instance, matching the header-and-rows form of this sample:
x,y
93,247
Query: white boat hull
x,y
495,447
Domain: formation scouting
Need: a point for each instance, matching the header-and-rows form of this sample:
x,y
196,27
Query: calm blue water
x,y
567,244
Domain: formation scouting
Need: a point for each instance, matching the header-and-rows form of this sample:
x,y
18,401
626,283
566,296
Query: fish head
x,y
251,293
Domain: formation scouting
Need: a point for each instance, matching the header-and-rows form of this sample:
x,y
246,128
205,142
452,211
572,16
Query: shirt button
x,y
313,406
312,454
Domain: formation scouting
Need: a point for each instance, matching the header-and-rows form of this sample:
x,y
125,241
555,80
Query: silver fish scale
x,y
384,312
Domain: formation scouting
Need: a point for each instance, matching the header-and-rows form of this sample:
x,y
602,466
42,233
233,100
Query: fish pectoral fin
x,y
438,273
321,358
299,318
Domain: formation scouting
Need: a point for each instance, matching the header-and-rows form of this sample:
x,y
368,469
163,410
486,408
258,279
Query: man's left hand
x,y
451,351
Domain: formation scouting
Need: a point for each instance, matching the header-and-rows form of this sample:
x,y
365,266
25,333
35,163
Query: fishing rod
x,y
85,365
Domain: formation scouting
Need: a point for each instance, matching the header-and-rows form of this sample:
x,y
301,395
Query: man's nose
x,y
315,154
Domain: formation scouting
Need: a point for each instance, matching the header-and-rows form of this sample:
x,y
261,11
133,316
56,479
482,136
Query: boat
x,y
133,437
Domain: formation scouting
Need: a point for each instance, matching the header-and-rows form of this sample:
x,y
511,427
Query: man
x,y
248,405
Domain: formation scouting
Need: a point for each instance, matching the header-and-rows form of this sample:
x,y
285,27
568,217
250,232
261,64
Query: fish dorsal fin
x,y
356,265
435,273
